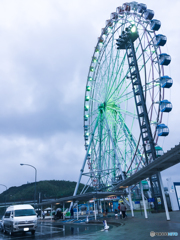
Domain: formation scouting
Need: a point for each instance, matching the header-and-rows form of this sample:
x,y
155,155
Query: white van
x,y
20,218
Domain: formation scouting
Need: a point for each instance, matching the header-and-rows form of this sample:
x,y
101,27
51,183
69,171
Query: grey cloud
x,y
46,48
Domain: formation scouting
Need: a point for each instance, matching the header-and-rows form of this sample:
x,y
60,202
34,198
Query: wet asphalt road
x,y
54,231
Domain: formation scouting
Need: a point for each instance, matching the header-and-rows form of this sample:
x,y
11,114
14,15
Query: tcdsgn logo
x,y
160,234
152,234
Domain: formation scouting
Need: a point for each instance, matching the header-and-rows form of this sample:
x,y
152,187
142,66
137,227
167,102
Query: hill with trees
x,y
52,189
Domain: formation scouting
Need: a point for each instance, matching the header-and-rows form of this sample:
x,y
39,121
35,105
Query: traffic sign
x,y
150,199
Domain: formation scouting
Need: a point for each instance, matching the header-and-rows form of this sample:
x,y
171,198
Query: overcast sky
x,y
45,52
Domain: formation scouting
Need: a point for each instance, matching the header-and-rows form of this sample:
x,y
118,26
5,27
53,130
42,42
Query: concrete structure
x,y
172,195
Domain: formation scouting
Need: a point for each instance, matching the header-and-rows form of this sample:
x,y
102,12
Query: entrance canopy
x,y
86,197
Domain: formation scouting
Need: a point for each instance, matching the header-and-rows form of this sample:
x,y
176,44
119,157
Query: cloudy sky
x,y
45,51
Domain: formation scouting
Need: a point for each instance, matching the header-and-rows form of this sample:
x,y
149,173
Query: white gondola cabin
x,y
86,107
86,127
126,7
159,151
160,40
148,14
86,135
88,88
94,59
109,22
91,69
86,117
120,10
165,106
145,186
114,15
162,130
97,49
166,82
87,98
164,59
133,5
86,145
141,7
155,25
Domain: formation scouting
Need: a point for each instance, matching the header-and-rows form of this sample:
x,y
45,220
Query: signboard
x,y
137,202
158,200
112,198
150,199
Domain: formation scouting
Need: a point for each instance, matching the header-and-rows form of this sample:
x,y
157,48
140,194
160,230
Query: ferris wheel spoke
x,y
109,132
105,69
94,112
141,67
109,65
104,154
110,83
95,100
110,60
115,78
127,133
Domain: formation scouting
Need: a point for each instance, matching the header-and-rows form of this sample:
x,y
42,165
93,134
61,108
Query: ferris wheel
x,y
125,96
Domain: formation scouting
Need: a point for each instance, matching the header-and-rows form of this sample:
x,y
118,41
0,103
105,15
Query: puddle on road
x,y
55,231
73,230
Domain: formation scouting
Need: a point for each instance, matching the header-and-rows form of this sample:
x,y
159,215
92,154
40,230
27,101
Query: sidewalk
x,y
136,228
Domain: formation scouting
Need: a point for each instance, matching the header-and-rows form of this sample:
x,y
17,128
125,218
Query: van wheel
x,y
33,232
4,230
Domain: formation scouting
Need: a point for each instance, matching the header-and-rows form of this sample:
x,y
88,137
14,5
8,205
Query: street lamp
x,y
23,164
6,190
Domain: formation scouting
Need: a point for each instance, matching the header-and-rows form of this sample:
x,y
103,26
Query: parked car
x,y
1,224
19,218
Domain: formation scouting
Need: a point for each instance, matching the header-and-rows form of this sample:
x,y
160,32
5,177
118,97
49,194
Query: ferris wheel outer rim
x,y
162,70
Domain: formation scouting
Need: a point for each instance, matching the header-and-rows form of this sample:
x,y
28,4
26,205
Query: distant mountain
x,y
45,189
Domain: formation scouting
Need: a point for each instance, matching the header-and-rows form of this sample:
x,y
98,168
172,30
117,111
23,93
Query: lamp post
x,y
6,190
23,164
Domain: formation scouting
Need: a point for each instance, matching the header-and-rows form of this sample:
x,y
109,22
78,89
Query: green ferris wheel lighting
x,y
112,135
133,29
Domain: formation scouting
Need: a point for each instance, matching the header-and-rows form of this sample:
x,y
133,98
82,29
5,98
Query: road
x,y
48,230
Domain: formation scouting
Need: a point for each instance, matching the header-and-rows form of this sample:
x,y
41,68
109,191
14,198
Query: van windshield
x,y
24,212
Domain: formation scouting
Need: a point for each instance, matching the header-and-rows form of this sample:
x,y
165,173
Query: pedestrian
x,y
123,209
125,212
120,213
116,212
72,212
106,211
111,207
43,214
